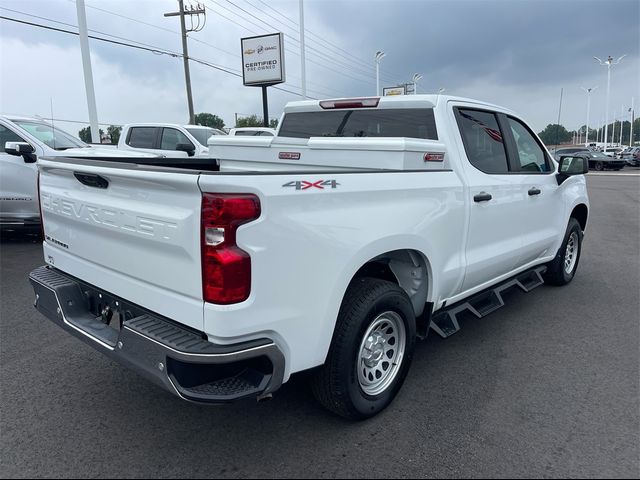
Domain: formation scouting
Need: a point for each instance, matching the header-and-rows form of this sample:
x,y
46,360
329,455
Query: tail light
x,y
226,268
369,102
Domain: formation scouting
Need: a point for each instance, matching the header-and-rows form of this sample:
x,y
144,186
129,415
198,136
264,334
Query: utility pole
x,y
182,13
88,75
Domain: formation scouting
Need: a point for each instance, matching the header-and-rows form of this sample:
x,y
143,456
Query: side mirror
x,y
570,166
186,147
21,149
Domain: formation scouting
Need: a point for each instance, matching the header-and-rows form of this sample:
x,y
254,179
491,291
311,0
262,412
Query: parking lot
x,y
548,386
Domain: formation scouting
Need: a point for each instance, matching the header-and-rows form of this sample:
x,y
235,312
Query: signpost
x,y
263,64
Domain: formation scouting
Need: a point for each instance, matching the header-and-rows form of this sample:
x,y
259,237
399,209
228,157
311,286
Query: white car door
x,y
539,193
494,240
18,184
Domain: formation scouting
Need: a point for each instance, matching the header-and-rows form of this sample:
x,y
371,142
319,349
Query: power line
x,y
153,50
345,54
321,55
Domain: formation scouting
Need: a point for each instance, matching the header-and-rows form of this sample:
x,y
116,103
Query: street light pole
x,y
609,62
379,56
303,63
588,90
632,119
88,74
621,124
416,77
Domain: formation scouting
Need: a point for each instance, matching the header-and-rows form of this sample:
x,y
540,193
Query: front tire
x,y
371,350
563,268
599,166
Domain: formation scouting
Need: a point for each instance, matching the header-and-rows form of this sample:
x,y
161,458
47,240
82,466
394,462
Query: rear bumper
x,y
172,356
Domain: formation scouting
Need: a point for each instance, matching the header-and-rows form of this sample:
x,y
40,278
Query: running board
x,y
445,321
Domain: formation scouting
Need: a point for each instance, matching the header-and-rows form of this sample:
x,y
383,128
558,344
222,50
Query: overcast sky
x,y
516,53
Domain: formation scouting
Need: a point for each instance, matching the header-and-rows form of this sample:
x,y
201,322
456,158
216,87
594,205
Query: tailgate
x,y
130,231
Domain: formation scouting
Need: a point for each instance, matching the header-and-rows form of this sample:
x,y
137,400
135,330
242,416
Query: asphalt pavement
x,y
548,386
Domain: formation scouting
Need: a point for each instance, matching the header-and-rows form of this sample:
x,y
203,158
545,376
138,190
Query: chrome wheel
x,y
381,353
571,253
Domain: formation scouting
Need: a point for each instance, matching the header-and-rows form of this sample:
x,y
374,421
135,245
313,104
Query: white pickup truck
x,y
167,139
360,227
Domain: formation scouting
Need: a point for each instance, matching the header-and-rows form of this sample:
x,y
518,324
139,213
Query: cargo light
x,y
226,268
369,102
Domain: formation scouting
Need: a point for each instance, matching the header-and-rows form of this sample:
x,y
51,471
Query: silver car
x,y
22,141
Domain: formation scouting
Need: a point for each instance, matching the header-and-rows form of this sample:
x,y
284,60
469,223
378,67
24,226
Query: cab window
x,y
142,137
171,138
531,156
7,135
483,140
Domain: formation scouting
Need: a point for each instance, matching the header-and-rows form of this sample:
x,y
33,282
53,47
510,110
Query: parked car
x,y
252,132
167,139
599,161
23,140
558,152
368,223
613,151
631,155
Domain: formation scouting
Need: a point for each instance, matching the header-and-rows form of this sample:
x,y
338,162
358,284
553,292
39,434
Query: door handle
x,y
482,197
534,191
91,180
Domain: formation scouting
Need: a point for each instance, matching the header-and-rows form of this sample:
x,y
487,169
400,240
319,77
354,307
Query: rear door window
x,y
143,137
483,140
379,122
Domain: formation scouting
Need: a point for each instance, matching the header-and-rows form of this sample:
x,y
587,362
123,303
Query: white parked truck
x,y
360,227
167,139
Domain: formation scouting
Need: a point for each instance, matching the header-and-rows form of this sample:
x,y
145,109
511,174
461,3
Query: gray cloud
x,y
514,53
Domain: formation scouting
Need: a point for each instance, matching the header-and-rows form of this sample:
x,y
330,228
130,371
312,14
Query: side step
x,y
445,321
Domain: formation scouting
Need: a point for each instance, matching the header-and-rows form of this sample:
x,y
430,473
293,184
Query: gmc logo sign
x,y
305,185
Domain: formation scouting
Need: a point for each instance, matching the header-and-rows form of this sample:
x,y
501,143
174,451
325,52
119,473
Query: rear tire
x,y
599,166
563,268
371,350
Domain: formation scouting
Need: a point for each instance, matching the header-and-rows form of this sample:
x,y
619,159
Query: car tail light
x,y
370,102
226,268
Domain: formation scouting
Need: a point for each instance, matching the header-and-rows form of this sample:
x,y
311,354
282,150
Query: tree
x,y
251,121
255,121
114,134
209,120
85,134
554,134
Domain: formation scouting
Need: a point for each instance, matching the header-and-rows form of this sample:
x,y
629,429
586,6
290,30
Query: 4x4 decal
x,y
305,185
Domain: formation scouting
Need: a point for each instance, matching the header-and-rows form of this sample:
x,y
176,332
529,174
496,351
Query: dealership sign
x,y
263,60
388,91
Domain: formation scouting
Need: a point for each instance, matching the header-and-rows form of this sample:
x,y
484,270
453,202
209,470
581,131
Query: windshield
x,y
203,134
52,137
598,155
